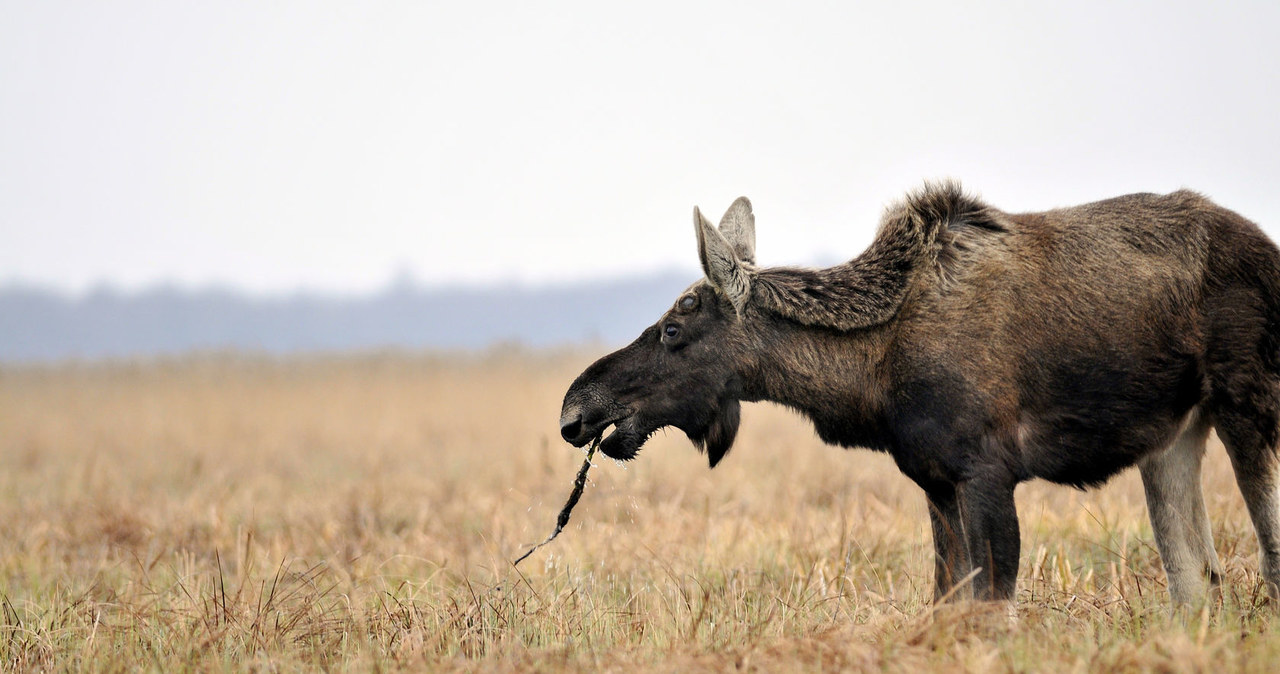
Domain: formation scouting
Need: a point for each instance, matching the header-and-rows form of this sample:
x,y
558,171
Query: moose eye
x,y
671,331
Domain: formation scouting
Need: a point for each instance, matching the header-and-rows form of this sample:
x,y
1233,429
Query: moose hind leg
x,y
1257,467
1175,504
951,557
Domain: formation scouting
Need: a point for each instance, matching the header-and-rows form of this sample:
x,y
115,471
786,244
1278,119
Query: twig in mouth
x,y
579,483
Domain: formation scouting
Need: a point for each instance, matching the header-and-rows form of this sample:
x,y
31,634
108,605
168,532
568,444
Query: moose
x,y
981,349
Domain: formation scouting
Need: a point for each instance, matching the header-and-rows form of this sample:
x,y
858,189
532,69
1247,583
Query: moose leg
x,y
1257,469
991,533
951,557
1175,504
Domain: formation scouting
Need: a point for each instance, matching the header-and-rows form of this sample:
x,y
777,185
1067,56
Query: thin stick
x,y
579,483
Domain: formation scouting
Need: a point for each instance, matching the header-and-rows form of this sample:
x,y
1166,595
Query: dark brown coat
x,y
981,349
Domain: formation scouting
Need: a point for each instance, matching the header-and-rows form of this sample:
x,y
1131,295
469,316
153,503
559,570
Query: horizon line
x,y
397,283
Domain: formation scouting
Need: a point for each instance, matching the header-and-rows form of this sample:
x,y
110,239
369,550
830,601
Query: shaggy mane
x,y
920,232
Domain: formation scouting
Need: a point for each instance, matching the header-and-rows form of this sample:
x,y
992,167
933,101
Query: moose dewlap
x,y
981,349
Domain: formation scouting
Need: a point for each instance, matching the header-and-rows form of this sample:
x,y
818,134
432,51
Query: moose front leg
x,y
951,556
991,533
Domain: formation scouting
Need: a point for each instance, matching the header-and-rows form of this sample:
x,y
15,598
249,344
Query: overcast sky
x,y
273,146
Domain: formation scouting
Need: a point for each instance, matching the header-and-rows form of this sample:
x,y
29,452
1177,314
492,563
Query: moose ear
x,y
720,263
739,228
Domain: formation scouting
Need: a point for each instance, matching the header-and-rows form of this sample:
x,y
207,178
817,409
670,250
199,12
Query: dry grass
x,y
353,513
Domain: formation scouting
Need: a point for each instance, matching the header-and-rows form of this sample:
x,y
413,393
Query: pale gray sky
x,y
279,145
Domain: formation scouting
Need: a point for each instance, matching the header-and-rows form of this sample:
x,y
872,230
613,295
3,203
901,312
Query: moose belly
x,y
1082,454
1090,420
1072,421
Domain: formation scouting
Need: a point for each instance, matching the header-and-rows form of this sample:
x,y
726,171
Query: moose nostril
x,y
571,426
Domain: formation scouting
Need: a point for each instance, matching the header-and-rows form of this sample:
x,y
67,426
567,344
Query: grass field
x,y
361,512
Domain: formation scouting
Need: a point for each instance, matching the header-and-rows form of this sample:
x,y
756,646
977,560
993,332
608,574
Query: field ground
x,y
225,512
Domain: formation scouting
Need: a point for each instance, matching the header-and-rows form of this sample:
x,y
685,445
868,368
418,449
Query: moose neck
x,y
822,335
833,377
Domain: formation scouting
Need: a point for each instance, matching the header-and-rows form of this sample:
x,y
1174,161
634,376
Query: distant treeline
x,y
40,325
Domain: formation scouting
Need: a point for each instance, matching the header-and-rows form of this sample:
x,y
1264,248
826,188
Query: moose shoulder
x,y
981,349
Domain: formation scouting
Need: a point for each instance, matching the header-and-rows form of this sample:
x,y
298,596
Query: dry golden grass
x,y
353,513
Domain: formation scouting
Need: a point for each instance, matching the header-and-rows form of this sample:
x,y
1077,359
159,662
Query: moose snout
x,y
571,425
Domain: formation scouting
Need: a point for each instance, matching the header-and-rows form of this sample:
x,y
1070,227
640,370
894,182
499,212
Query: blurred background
x,y
262,265
312,176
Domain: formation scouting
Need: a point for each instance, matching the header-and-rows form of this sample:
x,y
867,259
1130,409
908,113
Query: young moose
x,y
981,349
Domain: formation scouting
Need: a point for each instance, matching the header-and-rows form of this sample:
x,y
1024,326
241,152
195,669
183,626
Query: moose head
x,y
686,370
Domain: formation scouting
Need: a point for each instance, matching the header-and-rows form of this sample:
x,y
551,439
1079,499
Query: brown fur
x,y
981,349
